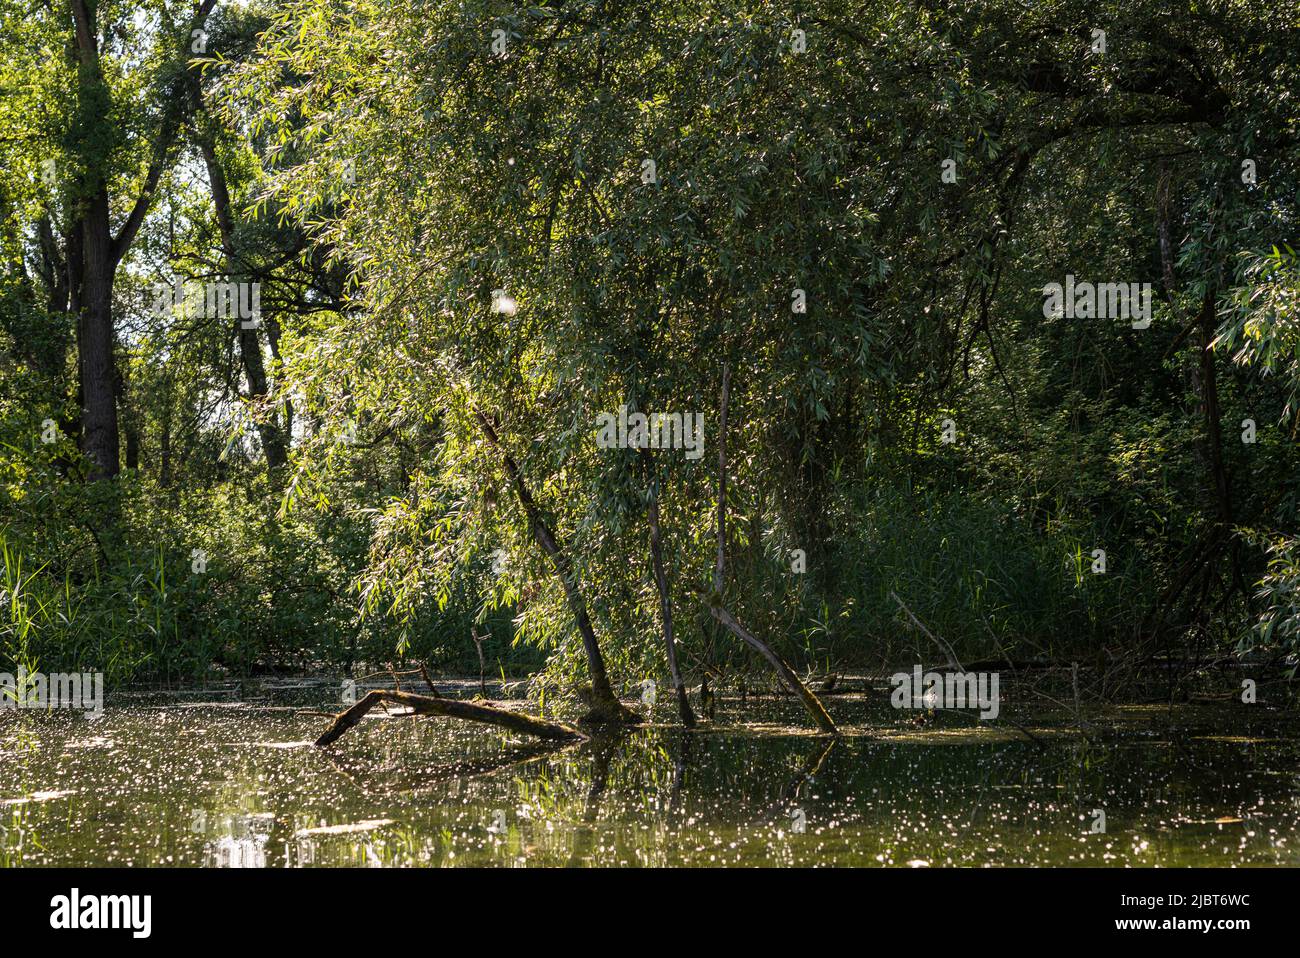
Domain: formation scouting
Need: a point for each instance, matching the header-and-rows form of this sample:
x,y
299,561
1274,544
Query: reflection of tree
x,y
790,792
809,770
680,765
602,750
602,754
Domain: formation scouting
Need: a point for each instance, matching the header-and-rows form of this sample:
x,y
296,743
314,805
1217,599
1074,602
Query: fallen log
x,y
424,705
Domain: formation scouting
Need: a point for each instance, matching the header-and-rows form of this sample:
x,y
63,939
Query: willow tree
x,y
655,196
557,212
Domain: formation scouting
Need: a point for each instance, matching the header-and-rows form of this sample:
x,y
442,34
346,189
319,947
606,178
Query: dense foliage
x,y
476,227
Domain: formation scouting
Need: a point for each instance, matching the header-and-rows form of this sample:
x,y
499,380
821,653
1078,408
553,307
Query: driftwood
x,y
452,708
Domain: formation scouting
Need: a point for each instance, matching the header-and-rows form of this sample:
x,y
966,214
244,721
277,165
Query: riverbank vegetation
x,y
474,228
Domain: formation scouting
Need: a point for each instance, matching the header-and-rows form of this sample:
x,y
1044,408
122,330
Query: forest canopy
x,y
982,316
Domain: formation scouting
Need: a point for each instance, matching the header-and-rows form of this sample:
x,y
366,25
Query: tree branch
x,y
173,115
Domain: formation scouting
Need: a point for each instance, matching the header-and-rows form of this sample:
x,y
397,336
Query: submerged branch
x,y
470,711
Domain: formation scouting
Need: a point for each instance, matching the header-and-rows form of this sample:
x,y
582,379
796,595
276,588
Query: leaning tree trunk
x,y
716,609
274,446
783,670
604,706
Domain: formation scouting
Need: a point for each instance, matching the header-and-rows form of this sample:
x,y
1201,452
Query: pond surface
x,y
227,783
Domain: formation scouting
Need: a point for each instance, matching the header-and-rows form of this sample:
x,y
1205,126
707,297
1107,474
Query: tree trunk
x,y
165,443
250,345
1213,425
1203,374
666,605
783,671
101,250
1222,488
98,382
719,569
604,705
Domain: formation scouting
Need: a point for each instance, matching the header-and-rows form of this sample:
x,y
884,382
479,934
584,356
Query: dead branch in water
x,y
424,673
783,671
470,711
947,649
421,671
714,604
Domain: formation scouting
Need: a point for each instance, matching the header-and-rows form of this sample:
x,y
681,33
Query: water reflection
x,y
241,839
240,787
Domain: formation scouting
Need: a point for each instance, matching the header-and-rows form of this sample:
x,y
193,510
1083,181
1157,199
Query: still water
x,y
210,781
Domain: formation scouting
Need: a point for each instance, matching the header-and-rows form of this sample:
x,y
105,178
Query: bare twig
x,y
947,649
